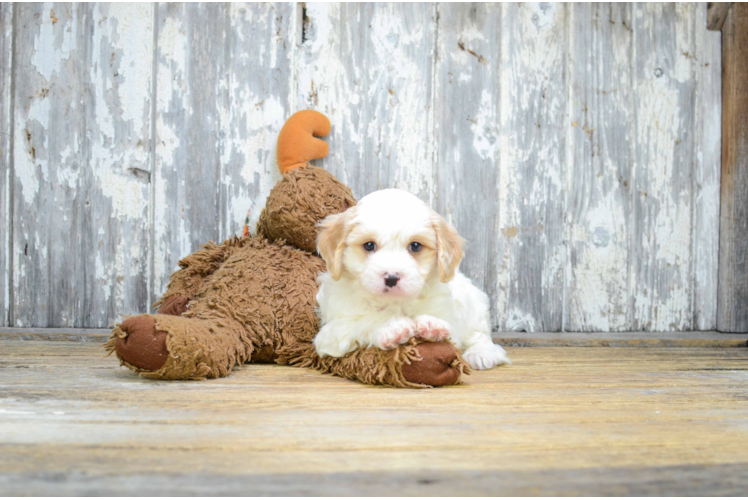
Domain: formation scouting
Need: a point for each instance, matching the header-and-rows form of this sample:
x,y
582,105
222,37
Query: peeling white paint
x,y
374,70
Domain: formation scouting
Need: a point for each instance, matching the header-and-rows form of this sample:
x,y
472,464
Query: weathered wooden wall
x,y
576,147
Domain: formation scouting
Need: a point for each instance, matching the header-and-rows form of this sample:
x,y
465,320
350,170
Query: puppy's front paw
x,y
395,332
431,328
485,356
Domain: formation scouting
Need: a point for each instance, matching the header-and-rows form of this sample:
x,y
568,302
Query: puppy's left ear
x,y
333,231
448,247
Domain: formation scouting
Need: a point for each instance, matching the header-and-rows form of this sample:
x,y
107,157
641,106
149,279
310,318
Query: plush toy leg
x,y
417,364
187,282
169,347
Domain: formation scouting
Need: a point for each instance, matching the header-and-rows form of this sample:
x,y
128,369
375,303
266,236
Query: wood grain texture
x,y
716,14
732,315
82,133
187,172
369,68
599,193
6,119
574,146
594,420
707,158
223,92
51,201
662,275
118,158
533,141
466,121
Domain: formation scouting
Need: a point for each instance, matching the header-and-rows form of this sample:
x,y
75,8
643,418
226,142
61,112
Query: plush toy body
x,y
253,299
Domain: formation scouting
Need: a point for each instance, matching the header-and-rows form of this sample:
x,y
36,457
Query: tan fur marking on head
x,y
448,247
334,230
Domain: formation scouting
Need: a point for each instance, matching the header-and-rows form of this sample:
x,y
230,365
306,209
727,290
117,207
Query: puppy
x,y
392,275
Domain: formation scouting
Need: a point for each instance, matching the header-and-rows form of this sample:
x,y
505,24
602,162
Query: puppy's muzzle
x,y
391,280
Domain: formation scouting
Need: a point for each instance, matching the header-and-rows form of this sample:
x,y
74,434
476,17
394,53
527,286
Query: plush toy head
x,y
307,194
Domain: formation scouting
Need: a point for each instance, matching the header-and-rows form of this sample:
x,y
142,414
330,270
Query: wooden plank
x,y
716,14
662,275
707,116
599,196
683,480
190,53
466,120
551,419
732,314
118,157
82,133
50,202
369,68
257,99
6,119
532,159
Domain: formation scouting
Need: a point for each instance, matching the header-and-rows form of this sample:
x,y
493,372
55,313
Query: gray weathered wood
x,y
187,174
223,92
466,121
533,156
6,60
599,192
118,132
574,146
662,276
707,72
82,132
369,67
51,199
716,14
732,312
257,99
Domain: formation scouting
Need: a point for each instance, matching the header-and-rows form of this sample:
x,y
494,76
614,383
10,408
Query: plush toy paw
x,y
431,328
439,365
142,346
395,332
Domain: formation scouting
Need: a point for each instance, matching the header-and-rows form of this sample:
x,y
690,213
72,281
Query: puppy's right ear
x,y
333,231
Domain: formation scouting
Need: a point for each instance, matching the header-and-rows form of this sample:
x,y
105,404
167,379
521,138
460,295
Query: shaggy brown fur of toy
x,y
304,197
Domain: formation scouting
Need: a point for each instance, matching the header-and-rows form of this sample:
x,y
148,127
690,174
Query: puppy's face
x,y
391,243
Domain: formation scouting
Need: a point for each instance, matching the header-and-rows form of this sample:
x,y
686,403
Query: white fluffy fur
x,y
431,299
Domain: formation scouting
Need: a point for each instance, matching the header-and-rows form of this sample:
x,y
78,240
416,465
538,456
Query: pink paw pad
x,y
397,334
430,328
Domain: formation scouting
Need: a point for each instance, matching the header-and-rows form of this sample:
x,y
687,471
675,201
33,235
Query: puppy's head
x,y
391,243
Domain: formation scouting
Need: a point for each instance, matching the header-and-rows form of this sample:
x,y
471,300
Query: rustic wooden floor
x,y
562,420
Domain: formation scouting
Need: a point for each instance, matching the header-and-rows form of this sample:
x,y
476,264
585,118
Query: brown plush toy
x,y
253,299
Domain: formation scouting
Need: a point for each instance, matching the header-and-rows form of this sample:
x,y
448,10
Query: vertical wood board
x,y
598,182
369,68
81,163
6,60
466,124
532,162
732,314
662,276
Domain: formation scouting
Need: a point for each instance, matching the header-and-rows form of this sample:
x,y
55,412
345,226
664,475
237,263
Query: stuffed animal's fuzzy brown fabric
x,y
253,299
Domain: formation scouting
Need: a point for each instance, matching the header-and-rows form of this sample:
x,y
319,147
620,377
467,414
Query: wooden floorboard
x,y
564,421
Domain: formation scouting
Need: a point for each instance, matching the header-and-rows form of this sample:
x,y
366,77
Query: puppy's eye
x,y
415,247
370,246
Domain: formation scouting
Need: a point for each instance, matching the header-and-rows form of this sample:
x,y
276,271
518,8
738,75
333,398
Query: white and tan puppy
x,y
392,275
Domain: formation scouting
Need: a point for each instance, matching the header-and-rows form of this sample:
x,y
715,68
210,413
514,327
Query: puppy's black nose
x,y
391,280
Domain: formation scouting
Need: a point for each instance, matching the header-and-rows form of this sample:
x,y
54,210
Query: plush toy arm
x,y
416,364
297,140
187,282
